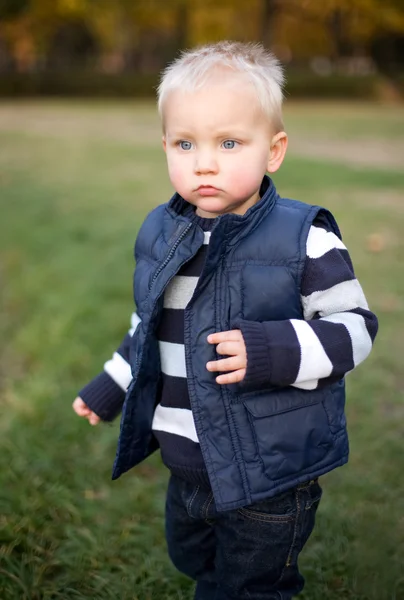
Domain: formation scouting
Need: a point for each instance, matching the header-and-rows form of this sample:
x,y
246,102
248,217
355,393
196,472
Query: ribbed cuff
x,y
258,364
103,396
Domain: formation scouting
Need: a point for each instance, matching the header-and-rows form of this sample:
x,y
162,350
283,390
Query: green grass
x,y
348,121
75,183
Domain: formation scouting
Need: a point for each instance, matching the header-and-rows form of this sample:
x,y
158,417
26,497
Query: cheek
x,y
247,169
246,179
176,174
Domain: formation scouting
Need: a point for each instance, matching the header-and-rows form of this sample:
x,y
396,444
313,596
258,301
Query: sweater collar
x,y
204,223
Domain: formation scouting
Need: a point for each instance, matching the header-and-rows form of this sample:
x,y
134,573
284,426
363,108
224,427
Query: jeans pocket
x,y
313,493
269,527
280,508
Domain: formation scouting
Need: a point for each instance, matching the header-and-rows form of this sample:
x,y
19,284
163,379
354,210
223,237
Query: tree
x,y
142,35
10,9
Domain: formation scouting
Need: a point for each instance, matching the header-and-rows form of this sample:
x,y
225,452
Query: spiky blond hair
x,y
192,70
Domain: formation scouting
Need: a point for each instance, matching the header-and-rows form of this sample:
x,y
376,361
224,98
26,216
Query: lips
x,y
207,190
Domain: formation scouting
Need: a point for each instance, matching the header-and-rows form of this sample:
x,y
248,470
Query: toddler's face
x,y
218,146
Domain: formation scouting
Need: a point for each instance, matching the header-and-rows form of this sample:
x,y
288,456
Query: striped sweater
x,y
173,423
335,336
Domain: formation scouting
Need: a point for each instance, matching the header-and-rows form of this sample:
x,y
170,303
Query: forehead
x,y
216,105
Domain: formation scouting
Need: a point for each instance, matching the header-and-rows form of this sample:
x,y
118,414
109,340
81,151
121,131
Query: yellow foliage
x,y
302,28
72,7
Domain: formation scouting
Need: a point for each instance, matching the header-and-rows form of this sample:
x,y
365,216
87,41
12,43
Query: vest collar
x,y
234,226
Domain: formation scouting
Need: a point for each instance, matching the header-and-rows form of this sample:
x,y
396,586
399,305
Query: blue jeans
x,y
249,553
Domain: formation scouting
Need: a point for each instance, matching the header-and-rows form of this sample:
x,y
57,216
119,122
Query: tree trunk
x,y
181,37
337,29
269,12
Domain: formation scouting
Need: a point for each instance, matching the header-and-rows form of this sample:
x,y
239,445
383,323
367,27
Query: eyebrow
x,y
178,133
221,133
231,133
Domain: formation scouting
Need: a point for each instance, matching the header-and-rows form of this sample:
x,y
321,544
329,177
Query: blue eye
x,y
184,145
229,144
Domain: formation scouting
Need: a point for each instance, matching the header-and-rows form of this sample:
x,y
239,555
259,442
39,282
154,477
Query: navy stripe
x,y
124,348
371,322
321,221
194,267
326,271
174,392
178,450
337,344
171,328
322,383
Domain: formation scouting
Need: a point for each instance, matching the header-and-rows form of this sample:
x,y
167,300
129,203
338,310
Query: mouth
x,y
207,190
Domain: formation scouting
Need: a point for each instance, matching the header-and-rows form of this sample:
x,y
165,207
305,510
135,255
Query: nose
x,y
205,163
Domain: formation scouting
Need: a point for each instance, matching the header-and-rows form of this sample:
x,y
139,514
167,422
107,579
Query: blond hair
x,y
193,68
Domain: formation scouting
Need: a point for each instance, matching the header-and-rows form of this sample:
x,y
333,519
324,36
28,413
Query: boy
x,y
232,279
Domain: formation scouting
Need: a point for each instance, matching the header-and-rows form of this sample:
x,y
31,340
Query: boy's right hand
x,y
81,409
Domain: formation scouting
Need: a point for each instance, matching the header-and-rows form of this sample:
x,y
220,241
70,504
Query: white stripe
x,y
119,370
306,385
175,420
206,237
346,295
179,292
320,241
134,321
314,362
361,340
172,358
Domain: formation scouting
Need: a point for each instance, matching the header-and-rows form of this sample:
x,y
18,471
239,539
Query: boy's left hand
x,y
232,344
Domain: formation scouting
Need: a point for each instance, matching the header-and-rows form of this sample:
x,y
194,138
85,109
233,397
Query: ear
x,y
164,143
279,144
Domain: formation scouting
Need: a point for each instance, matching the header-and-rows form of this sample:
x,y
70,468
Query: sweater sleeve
x,y
105,394
335,335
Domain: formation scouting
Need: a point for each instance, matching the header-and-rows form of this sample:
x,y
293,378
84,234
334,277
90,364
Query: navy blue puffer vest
x,y
255,442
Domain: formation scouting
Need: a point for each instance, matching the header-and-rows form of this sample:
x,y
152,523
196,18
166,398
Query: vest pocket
x,y
291,431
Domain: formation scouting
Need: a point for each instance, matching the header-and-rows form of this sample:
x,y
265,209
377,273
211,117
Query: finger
x,y
230,348
93,419
226,364
233,377
233,335
80,407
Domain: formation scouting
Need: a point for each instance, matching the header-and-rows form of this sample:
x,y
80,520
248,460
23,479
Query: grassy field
x,y
76,180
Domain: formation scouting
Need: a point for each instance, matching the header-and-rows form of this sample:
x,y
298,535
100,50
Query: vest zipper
x,y
157,273
169,255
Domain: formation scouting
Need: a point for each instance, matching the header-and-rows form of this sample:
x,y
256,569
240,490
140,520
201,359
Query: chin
x,y
214,211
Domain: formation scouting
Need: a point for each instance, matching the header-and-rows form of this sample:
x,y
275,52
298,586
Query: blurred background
x,y
346,48
81,164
